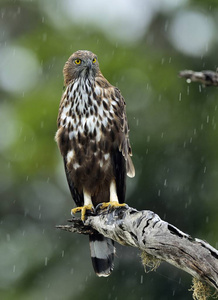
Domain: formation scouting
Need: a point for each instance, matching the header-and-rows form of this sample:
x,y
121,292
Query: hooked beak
x,y
89,65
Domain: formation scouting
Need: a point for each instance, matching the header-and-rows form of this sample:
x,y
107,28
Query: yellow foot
x,y
111,204
83,210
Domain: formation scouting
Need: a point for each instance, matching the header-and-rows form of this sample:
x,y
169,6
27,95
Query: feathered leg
x,y
87,205
114,202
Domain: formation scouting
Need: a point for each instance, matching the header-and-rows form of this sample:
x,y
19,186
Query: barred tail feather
x,y
102,254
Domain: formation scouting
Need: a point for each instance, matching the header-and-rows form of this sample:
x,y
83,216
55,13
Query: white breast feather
x,y
97,90
81,104
91,122
70,156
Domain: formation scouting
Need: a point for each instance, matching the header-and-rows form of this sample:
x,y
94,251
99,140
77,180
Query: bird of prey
x,y
93,139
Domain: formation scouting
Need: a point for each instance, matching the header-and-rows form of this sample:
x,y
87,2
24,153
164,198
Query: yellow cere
x,y
77,61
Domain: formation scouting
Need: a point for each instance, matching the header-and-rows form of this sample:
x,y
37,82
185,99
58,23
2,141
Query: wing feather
x,y
77,197
124,145
119,165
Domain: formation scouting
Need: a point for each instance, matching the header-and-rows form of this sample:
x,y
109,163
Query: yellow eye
x,y
77,61
94,60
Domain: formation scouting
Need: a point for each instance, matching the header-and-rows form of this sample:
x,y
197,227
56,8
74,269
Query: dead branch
x,y
146,231
207,78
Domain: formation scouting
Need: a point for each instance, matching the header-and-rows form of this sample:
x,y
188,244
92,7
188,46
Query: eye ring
x,y
94,60
77,61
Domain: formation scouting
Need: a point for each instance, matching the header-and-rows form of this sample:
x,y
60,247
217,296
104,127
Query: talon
x,y
83,210
111,204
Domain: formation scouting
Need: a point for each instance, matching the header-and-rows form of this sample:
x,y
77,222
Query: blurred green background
x,y
141,45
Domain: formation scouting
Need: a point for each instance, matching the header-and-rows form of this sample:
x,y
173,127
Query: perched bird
x,y
93,139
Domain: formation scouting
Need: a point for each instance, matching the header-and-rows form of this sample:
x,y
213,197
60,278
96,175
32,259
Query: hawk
x,y
93,139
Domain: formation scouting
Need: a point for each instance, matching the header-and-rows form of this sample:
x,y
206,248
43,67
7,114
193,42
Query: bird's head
x,y
81,63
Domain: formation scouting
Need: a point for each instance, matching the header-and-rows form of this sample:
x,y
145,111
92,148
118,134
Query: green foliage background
x,y
173,134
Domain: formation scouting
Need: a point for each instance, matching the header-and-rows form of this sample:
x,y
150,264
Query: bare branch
x,y
146,231
207,78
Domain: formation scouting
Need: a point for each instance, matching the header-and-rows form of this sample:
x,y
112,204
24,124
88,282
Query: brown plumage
x,y
93,139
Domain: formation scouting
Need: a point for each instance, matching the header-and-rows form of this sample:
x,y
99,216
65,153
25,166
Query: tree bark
x,y
207,78
146,231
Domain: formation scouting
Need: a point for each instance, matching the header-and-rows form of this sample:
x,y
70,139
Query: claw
x,y
83,210
111,204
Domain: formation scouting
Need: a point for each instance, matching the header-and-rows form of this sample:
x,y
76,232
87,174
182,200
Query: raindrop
x,y
141,280
14,268
208,118
188,80
62,253
165,182
46,261
199,88
26,211
8,237
180,96
166,25
188,90
158,193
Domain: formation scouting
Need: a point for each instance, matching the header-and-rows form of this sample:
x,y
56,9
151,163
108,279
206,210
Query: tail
x,y
102,254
